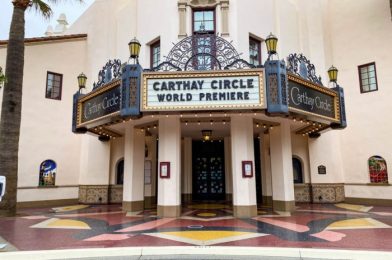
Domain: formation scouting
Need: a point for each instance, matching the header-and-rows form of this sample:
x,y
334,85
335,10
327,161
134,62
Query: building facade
x,y
167,156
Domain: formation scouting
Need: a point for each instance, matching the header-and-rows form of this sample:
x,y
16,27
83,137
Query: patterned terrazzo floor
x,y
343,226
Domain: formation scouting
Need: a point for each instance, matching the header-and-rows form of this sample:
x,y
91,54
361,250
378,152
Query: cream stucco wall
x,y
46,123
361,37
116,154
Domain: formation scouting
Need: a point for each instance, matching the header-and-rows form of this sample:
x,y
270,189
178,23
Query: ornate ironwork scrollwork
x,y
200,52
109,72
241,64
301,66
165,66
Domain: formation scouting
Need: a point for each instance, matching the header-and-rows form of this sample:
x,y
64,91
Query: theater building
x,y
203,107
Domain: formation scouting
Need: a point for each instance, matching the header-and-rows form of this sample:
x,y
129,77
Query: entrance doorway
x,y
208,170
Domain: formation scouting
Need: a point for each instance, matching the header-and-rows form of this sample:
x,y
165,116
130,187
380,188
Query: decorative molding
x,y
93,194
302,192
116,193
182,7
320,193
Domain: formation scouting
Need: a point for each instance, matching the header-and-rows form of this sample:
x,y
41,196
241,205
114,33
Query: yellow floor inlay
x,y
353,207
70,208
357,224
68,223
62,223
205,235
206,214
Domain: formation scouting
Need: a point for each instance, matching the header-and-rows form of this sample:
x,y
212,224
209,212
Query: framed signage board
x,y
247,169
308,98
164,170
99,104
203,90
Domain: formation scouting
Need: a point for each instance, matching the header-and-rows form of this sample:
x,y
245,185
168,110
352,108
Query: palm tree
x,y
12,98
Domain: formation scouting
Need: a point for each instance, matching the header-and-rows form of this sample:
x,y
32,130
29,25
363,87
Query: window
x,y
378,170
54,83
155,54
368,77
254,51
204,21
297,170
120,172
204,44
47,173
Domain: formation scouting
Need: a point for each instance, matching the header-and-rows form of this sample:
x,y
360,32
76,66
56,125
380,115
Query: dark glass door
x,y
208,170
259,194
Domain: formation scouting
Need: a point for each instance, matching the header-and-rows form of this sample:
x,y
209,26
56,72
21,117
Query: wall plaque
x,y
322,169
207,90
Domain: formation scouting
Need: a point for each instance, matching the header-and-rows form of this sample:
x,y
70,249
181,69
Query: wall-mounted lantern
x,y
333,74
82,79
271,42
134,49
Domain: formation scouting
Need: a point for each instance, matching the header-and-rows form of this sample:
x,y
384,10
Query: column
x,y
94,171
169,189
266,178
244,189
182,18
225,17
187,170
134,145
282,168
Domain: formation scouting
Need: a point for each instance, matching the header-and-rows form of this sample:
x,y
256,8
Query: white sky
x,y
35,24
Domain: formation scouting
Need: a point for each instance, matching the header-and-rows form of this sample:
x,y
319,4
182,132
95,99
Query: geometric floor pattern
x,y
343,226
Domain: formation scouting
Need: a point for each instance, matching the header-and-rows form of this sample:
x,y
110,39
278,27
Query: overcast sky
x,y
35,24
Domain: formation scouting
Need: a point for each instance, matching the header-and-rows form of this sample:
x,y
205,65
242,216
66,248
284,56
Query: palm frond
x,y
43,7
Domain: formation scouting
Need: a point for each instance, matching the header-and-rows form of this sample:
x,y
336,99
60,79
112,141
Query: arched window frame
x,y
302,178
378,170
47,177
118,181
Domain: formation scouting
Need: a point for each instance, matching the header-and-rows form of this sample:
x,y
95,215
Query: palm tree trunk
x,y
11,110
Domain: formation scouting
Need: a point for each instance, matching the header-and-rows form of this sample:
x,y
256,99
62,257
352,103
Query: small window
x,y
120,172
254,51
47,173
54,83
297,170
204,21
155,54
368,77
378,170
